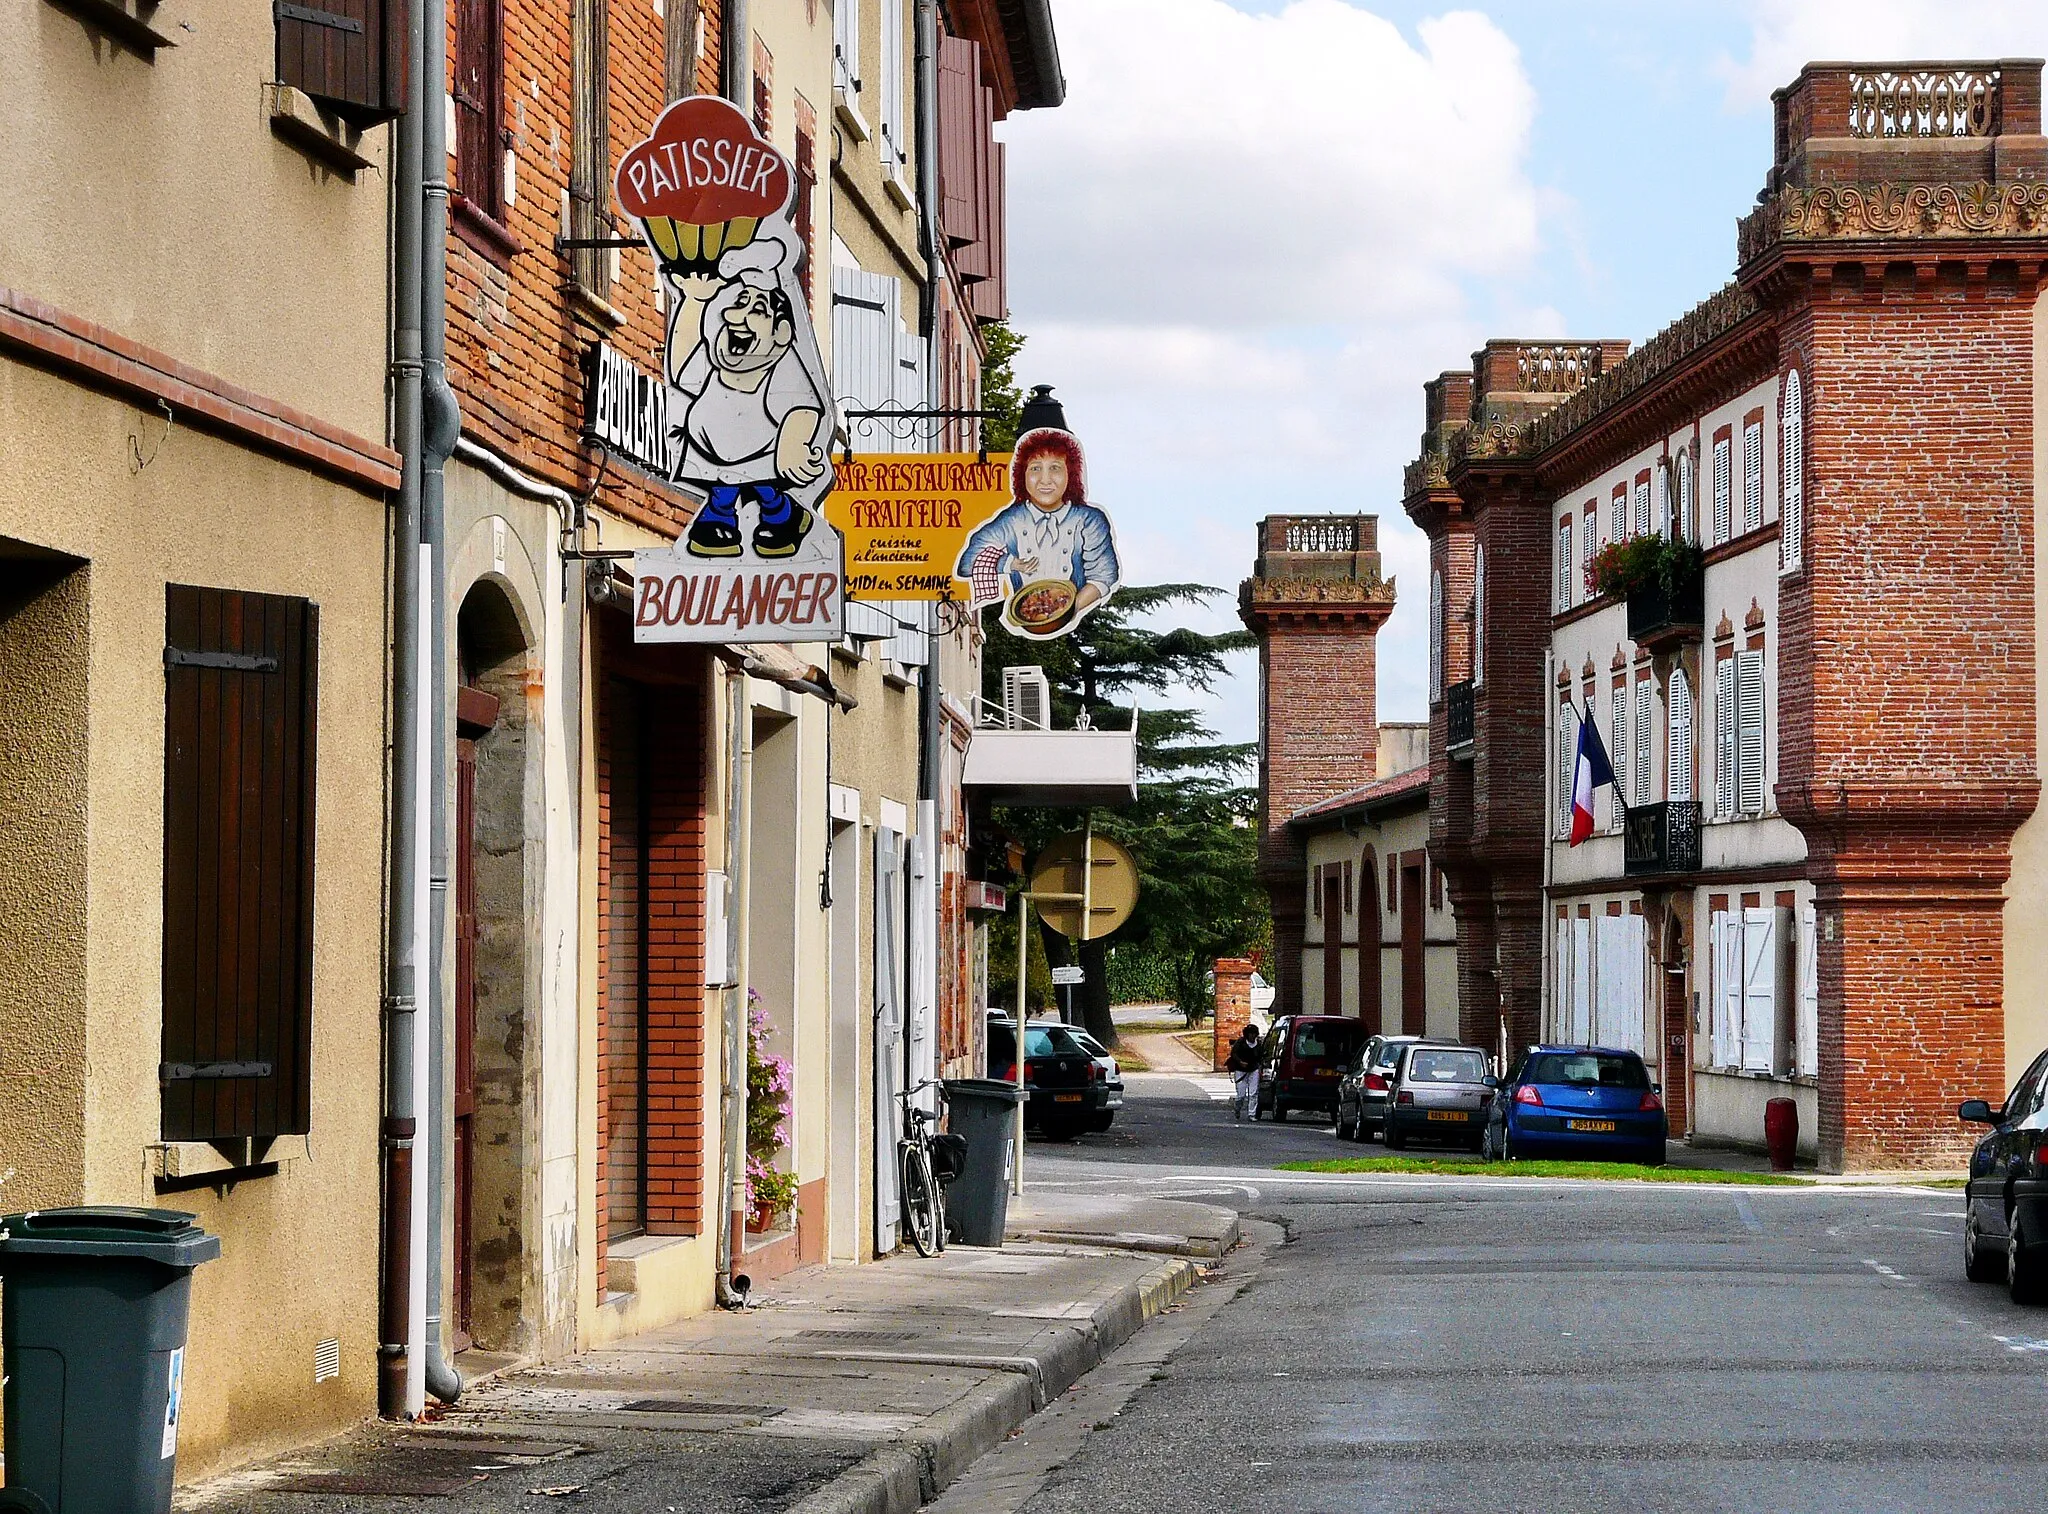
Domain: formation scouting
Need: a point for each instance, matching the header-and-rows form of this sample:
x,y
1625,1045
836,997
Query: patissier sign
x,y
749,412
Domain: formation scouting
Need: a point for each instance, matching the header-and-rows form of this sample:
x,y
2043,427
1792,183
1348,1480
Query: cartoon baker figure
x,y
1050,556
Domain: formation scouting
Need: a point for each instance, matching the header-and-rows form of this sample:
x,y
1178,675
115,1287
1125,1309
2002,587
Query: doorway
x,y
1333,941
1414,991
624,1073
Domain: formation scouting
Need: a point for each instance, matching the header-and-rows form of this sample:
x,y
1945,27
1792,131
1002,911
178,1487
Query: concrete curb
x,y
1207,1247
901,1478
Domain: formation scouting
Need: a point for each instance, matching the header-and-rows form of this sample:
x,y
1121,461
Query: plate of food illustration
x,y
1041,608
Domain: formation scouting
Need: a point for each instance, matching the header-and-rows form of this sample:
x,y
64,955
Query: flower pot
x,y
761,1218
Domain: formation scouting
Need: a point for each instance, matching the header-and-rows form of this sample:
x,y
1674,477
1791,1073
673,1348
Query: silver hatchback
x,y
1439,1091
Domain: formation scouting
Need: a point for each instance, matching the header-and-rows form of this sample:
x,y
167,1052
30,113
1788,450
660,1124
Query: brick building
x,y
1819,878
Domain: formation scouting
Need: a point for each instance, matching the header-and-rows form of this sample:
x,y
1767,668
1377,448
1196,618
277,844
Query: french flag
x,y
1590,769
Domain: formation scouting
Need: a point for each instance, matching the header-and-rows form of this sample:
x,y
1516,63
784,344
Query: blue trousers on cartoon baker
x,y
780,525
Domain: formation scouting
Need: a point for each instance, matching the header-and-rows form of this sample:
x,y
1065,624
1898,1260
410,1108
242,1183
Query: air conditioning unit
x,y
1027,699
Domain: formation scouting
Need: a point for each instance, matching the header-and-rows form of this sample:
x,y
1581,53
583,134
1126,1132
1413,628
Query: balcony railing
x,y
1659,618
1661,838
1458,723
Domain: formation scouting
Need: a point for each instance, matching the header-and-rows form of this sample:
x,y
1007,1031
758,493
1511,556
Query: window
x,y
1663,496
1745,1014
682,29
358,67
1722,498
1589,540
1564,564
1724,737
1567,731
845,46
1752,474
1428,1065
589,143
1688,526
480,103
1478,615
1749,730
1617,726
1585,1069
1643,505
1436,634
895,140
1617,515
1644,715
1791,477
1678,739
241,679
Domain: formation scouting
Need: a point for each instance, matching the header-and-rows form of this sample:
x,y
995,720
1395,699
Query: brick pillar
x,y
1518,935
1471,894
1233,1005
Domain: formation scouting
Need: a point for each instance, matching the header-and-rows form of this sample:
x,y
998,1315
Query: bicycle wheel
x,y
920,1201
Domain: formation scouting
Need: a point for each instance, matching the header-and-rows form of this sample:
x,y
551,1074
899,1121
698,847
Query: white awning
x,y
1053,767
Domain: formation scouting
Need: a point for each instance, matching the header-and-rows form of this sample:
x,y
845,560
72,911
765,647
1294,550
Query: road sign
x,y
1068,977
1082,876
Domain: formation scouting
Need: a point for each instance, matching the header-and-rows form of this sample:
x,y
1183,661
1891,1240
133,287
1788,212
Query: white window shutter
x,y
1792,478
1617,516
1752,475
1644,750
1618,756
1678,745
894,146
1759,990
845,45
910,644
1566,732
1642,507
1723,501
1749,722
1686,526
1582,980
1589,544
1724,737
1436,634
1478,616
1806,1049
1560,979
1727,989
907,379
1564,564
866,329
1664,497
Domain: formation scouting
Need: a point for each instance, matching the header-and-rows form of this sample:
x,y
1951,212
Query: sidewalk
x,y
846,1390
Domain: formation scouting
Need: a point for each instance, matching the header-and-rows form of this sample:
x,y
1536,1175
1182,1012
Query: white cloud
x,y
1786,35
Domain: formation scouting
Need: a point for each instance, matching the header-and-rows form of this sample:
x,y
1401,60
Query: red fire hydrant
x,y
1781,1133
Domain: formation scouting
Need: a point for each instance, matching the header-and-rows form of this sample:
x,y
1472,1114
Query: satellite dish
x,y
1084,866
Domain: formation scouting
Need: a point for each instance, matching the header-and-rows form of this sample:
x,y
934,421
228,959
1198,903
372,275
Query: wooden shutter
x,y
1582,980
1564,564
1617,517
845,47
349,54
1644,752
961,156
1724,737
1686,529
1726,932
241,677
1806,1036
1759,990
1617,755
1560,977
480,101
1752,475
1678,748
1664,497
1565,732
1723,502
895,149
1791,477
1749,722
1478,616
1642,507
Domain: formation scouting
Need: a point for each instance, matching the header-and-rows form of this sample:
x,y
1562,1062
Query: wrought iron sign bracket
x,y
902,423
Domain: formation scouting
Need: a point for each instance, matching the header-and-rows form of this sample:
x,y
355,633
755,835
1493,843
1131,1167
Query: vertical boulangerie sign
x,y
749,411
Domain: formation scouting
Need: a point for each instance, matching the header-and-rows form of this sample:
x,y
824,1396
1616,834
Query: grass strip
x,y
1613,1172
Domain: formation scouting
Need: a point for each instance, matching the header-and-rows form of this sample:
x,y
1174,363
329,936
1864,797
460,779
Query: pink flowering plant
x,y
768,1086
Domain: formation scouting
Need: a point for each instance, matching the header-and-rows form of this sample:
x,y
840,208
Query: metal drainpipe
x,y
739,837
928,714
735,55
394,1323
442,430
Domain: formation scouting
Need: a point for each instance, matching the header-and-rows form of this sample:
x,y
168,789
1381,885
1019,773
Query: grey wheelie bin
x,y
93,1321
985,1113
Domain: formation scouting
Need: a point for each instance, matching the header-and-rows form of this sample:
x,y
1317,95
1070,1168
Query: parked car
x,y
1065,1089
1588,1102
1112,1077
2005,1204
1438,1091
1362,1090
1308,1055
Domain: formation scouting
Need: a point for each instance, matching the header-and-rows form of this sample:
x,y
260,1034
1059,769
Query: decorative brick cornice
x,y
1264,601
1427,472
1892,212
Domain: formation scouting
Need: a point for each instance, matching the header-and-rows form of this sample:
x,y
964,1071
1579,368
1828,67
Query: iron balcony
x,y
1661,838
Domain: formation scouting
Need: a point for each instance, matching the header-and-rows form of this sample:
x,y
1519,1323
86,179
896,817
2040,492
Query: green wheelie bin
x,y
93,1317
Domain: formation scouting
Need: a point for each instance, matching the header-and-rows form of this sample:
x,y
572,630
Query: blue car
x,y
1590,1103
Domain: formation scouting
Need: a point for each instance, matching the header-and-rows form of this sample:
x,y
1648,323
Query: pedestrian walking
x,y
1247,1056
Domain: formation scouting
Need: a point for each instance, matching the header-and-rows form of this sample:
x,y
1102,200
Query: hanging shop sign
x,y
626,408
1049,556
749,413
907,516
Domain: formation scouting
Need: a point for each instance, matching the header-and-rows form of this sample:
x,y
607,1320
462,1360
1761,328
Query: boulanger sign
x,y
749,414
627,409
906,517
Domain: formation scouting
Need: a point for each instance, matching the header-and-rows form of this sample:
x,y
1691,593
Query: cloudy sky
x,y
1255,228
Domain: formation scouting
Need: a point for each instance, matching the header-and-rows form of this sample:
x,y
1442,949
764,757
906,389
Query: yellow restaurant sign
x,y
907,516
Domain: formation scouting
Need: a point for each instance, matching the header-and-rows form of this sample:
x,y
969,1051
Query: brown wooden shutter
x,y
959,127
346,53
241,676
480,104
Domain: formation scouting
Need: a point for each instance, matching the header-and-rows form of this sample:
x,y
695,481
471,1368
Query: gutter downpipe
x,y
925,993
442,429
735,65
400,1121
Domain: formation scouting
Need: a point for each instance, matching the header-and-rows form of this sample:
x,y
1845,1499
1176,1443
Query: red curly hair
x,y
1038,444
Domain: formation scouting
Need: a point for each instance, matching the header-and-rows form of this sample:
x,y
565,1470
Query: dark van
x,y
1309,1055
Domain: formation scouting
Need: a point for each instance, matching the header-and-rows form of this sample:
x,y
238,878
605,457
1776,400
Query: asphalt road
x,y
1428,1343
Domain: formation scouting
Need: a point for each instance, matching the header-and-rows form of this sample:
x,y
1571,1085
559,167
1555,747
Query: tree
x,y
999,392
1190,829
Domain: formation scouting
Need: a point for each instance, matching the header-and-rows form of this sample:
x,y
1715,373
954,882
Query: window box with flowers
x,y
1663,582
771,1192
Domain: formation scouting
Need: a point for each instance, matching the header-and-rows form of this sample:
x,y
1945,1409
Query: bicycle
x,y
927,1161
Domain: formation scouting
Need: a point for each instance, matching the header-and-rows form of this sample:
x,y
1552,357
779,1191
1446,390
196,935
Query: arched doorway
x,y
496,1087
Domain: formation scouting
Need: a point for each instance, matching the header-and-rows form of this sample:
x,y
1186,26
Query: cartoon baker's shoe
x,y
712,538
781,540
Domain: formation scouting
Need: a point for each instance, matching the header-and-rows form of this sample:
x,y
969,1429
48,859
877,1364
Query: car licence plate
x,y
1074,1098
1589,1125
1449,1114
